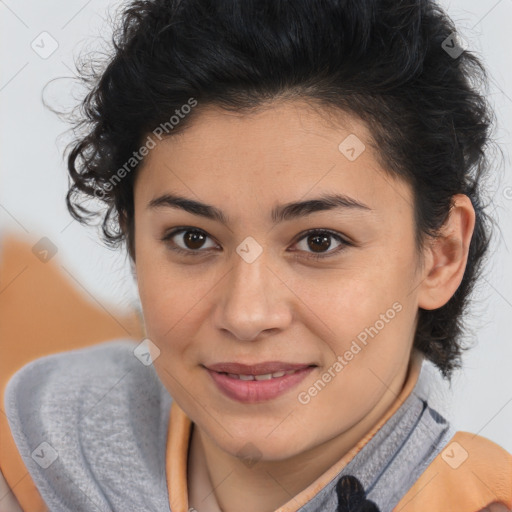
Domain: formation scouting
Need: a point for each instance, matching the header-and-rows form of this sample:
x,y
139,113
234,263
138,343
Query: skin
x,y
283,306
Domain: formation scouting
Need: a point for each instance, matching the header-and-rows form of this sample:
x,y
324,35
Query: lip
x,y
256,369
254,391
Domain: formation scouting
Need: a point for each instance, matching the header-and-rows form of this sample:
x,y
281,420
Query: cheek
x,y
160,288
366,313
346,300
173,303
168,318
158,291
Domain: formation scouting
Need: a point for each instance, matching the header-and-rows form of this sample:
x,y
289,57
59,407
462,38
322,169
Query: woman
x,y
298,186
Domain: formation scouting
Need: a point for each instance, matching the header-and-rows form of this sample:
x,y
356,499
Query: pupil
x,y
323,239
194,237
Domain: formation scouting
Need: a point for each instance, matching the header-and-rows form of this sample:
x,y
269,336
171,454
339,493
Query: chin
x,y
251,449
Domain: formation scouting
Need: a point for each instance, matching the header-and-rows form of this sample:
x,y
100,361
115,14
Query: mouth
x,y
259,382
263,376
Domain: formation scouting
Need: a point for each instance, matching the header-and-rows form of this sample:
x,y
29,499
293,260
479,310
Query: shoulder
x,y
95,359
85,371
75,387
62,384
469,474
99,414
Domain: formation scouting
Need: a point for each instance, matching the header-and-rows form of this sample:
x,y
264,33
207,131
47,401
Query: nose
x,y
253,300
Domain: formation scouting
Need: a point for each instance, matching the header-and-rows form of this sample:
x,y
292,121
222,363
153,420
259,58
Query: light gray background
x,y
33,182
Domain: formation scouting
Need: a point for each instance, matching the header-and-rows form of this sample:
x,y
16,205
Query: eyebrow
x,y
280,213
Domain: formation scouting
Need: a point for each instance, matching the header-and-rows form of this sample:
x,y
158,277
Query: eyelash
x,y
168,236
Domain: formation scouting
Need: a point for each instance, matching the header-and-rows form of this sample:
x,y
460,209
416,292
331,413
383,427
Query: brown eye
x,y
319,241
191,241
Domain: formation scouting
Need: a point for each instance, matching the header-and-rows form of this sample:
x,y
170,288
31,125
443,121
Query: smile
x,y
261,387
265,376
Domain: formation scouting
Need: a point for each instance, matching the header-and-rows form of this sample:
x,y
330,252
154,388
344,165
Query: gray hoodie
x,y
91,427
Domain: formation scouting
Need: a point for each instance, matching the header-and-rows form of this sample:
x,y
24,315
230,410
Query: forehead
x,y
294,125
286,151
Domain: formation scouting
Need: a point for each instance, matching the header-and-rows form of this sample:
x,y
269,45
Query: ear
x,y
447,255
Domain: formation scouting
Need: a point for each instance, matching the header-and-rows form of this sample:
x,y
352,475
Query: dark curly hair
x,y
396,64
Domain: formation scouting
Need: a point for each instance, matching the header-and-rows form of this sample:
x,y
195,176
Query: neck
x,y
221,482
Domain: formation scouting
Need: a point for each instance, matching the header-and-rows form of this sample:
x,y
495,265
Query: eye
x,y
318,240
193,240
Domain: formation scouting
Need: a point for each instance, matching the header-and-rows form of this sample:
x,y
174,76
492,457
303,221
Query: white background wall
x,y
33,182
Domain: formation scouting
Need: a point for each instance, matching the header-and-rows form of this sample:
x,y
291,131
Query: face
x,y
327,295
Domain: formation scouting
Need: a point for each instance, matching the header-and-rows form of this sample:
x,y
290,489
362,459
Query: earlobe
x,y
448,255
